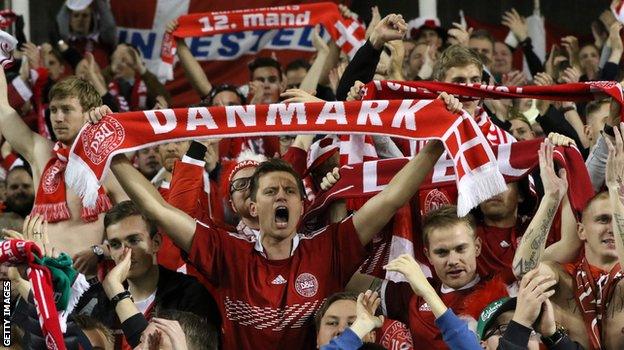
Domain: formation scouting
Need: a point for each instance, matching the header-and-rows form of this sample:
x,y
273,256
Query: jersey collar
x,y
445,290
260,249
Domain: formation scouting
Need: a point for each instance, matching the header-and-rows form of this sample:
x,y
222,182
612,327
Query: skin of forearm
x,y
435,303
567,248
615,56
330,62
362,327
193,70
575,120
531,248
311,79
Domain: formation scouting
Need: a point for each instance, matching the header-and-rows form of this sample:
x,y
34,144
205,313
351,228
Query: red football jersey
x,y
399,297
270,304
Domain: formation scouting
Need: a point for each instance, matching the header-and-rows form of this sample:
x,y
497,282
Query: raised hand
x,y
459,34
113,282
406,265
173,331
614,176
391,27
330,179
614,40
571,75
560,140
554,186
534,290
317,41
514,78
354,93
516,23
94,115
298,95
452,103
375,19
367,304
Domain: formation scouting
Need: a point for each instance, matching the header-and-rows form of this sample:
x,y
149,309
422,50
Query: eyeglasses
x,y
240,184
271,80
500,330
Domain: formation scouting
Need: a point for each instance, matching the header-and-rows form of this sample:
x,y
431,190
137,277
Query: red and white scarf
x,y
593,289
51,199
348,34
515,161
17,251
138,96
478,177
584,91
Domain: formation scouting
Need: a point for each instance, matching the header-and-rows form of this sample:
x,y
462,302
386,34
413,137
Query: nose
x,y
453,258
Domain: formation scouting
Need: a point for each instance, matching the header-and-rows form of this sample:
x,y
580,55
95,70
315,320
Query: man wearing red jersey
x,y
452,247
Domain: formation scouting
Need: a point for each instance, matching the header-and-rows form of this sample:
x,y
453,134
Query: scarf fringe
x,y
102,205
79,177
53,212
477,186
78,288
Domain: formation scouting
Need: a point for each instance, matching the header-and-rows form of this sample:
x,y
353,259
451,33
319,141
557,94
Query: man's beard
x,y
21,206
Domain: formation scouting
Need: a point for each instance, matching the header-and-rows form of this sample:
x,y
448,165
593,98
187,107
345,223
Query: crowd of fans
x,y
198,244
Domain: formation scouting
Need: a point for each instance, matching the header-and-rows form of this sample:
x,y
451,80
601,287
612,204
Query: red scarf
x,y
515,161
51,200
138,97
478,176
593,289
347,33
17,251
431,89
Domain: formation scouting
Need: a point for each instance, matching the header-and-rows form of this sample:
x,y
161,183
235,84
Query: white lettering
x,y
170,120
394,86
247,116
253,19
272,19
338,115
406,113
200,117
369,111
302,18
285,113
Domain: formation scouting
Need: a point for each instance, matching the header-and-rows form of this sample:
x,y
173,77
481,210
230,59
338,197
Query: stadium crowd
x,y
210,244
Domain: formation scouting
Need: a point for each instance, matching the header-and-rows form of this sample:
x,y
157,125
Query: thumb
x,y
562,173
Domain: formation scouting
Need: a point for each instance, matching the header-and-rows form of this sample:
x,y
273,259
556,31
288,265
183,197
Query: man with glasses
x,y
514,323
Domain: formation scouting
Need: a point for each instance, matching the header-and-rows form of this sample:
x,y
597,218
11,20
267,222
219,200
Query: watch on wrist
x,y
98,251
555,338
119,297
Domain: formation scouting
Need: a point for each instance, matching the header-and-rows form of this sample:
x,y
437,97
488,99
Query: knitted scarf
x,y
584,91
593,289
348,34
515,161
478,177
51,199
17,251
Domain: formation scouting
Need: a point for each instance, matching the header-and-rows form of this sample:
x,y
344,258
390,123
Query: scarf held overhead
x,y
16,251
478,177
431,89
348,34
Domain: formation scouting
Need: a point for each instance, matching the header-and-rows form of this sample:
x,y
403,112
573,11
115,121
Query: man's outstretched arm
x,y
32,146
179,226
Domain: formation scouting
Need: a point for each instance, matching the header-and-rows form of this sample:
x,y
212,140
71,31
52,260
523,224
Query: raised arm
x,y
615,184
530,251
32,146
192,69
179,226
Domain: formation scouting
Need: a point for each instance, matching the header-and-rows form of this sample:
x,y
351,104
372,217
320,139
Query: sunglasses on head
x,y
240,184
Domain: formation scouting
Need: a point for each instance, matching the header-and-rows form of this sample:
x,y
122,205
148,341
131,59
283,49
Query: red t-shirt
x,y
399,297
498,246
270,304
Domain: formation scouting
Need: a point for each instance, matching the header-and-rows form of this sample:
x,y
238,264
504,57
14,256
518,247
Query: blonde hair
x,y
72,86
445,217
455,56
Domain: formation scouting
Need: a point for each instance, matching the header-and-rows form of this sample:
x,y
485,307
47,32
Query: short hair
x,y
199,333
328,302
72,86
445,217
455,56
483,34
124,210
514,114
224,87
594,106
598,196
24,167
270,166
264,62
298,64
88,323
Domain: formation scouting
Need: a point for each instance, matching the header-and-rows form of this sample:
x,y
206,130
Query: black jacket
x,y
516,337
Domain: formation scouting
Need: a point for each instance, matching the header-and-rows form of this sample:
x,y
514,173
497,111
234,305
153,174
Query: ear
x,y
477,243
253,209
580,231
426,250
587,130
302,207
156,242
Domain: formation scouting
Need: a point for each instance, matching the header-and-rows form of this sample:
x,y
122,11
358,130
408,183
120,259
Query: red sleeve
x,y
206,253
347,250
187,186
395,298
297,159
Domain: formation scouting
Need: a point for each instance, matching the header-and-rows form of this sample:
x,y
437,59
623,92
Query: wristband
x,y
196,151
554,339
119,297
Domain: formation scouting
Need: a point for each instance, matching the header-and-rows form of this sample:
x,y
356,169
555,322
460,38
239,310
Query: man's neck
x,y
505,222
251,223
167,176
276,249
596,261
143,286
